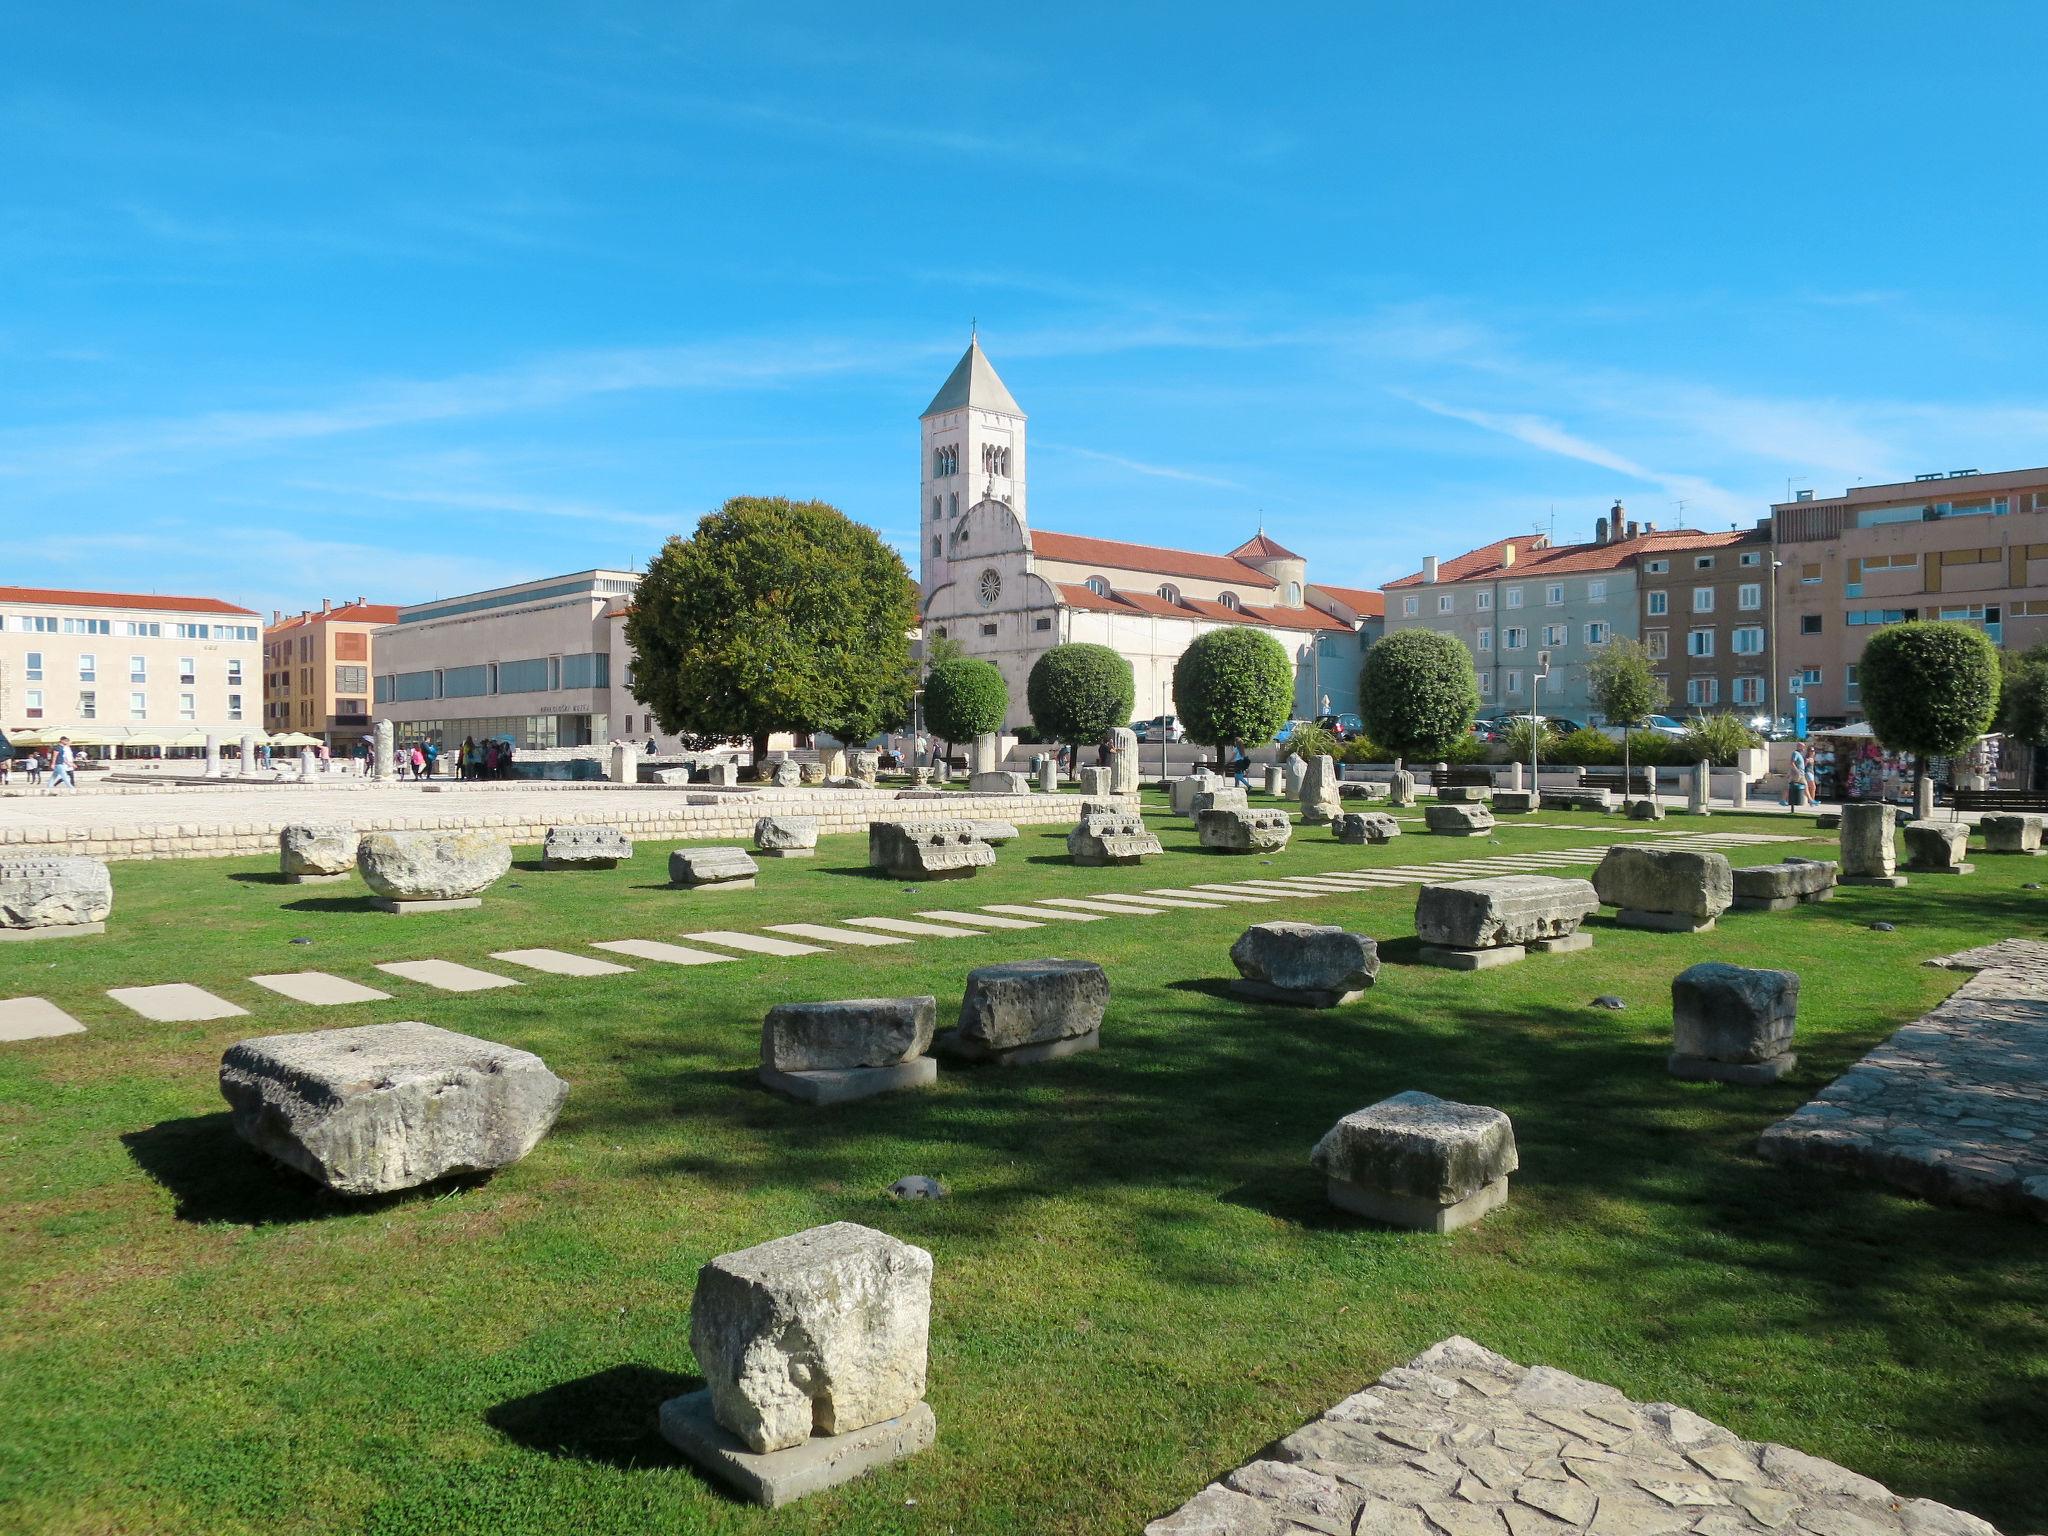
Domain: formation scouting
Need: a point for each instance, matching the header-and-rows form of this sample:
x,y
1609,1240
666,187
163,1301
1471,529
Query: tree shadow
x,y
608,1417
217,1178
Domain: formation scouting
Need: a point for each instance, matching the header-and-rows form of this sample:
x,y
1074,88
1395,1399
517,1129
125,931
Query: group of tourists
x,y
60,762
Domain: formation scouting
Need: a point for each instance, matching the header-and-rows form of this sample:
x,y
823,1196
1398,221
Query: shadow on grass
x,y
608,1417
219,1178
362,903
259,877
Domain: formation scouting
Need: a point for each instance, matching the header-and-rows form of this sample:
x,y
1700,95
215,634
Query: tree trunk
x,y
760,744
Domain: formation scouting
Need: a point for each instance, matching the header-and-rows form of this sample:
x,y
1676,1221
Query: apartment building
x,y
317,667
1953,545
111,667
1705,618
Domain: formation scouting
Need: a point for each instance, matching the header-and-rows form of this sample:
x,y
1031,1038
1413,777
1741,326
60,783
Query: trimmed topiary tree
x,y
1233,684
1930,687
1623,679
1077,692
1418,694
965,698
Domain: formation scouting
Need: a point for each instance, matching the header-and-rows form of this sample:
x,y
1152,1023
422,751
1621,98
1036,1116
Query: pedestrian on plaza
x,y
432,753
417,760
505,762
1795,781
62,768
6,767
1240,765
35,767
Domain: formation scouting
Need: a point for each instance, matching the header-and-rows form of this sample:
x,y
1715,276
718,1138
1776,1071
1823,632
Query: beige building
x,y
317,667
1960,545
107,667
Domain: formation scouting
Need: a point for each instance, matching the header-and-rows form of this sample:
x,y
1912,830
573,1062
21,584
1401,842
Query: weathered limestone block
x,y
1276,779
994,833
1938,847
853,1032
1513,802
585,848
306,854
1869,855
1401,788
712,869
1029,1010
1464,794
864,765
1095,783
1303,963
1225,798
1672,890
1458,820
725,774
1731,1024
625,764
931,850
1361,789
1111,838
1415,1160
1776,887
1185,791
426,871
1475,924
996,782
55,897
1365,827
786,837
811,775
1297,774
785,773
1319,798
388,1106
1644,808
984,754
1048,775
1244,831
1123,773
2011,834
1578,800
823,1333
674,776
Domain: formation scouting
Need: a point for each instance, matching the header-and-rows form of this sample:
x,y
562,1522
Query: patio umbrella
x,y
295,739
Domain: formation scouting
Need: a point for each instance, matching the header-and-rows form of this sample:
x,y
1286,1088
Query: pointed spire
x,y
973,381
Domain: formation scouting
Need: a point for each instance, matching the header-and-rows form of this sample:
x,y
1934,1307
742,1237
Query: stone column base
x,y
1662,922
1414,1212
1563,944
712,885
949,1043
1301,997
841,1085
51,931
1470,959
407,908
1699,1069
785,853
774,1478
1945,869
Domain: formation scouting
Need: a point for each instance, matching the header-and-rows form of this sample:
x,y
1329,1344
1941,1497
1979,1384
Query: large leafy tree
x,y
774,615
1418,693
1623,680
1078,691
1930,687
1233,684
2023,704
964,698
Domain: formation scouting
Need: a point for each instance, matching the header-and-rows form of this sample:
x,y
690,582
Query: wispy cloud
x,y
518,503
1138,467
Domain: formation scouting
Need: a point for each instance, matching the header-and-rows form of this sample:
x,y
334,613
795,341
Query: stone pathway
x,y
445,975
1954,1106
35,1018
826,934
319,988
980,919
1463,1442
914,929
753,943
559,962
175,1002
665,954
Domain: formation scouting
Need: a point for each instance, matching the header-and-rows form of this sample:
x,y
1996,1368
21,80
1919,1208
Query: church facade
x,y
1007,593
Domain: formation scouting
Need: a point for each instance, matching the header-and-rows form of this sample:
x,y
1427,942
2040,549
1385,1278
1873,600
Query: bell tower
x,y
972,441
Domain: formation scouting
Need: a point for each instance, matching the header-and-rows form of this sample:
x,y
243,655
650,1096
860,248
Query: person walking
x,y
432,753
1795,781
62,768
1240,765
417,761
35,768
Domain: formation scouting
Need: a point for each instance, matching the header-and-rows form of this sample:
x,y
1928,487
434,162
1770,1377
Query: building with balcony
x,y
317,667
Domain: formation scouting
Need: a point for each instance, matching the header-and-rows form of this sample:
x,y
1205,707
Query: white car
x,y
1654,725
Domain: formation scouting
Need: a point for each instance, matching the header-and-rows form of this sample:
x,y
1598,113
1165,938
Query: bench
x,y
1473,775
1614,779
2001,800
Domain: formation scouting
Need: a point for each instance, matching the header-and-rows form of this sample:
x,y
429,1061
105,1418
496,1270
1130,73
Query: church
x,y
1007,593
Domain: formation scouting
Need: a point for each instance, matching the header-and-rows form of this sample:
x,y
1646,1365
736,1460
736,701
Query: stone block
x,y
712,869
1513,802
819,1334
326,852
1777,887
1643,808
1365,827
1677,890
1361,789
388,1106
1295,769
1938,847
1319,798
1401,788
1275,779
1244,831
1464,794
855,1032
864,765
407,867
1458,820
1730,1016
1304,963
932,850
1184,791
785,773
1107,838
994,833
1415,1160
724,775
843,1085
786,837
775,1478
2011,834
1123,771
585,848
1471,959
1505,910
1000,783
1601,800
1095,783
1868,850
58,897
1022,1004
812,775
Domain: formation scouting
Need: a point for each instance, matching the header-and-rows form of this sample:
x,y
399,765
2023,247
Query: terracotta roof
x,y
351,613
1474,562
1259,547
51,597
1484,563
1366,604
1079,595
1114,554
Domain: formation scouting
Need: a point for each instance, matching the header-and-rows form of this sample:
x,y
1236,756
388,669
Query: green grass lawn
x,y
1138,1282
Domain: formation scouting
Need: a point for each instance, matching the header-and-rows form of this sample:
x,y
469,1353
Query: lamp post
x,y
1535,732
1165,730
1771,639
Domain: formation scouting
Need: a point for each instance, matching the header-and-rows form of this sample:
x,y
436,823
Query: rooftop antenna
x,y
1681,504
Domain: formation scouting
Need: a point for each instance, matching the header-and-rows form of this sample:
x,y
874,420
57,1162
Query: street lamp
x,y
1771,639
1536,682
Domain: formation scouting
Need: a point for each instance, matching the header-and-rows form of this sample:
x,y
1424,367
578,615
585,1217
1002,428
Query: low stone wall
x,y
654,813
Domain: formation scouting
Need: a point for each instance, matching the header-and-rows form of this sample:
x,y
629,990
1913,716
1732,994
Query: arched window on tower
x,y
1170,592
1294,594
1099,585
936,505
1230,601
953,502
935,546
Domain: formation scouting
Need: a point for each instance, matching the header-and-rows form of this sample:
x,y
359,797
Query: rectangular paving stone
x,y
1107,908
980,919
35,1018
319,988
1211,893
557,962
656,950
1192,902
1012,909
915,930
175,1002
827,934
753,943
445,975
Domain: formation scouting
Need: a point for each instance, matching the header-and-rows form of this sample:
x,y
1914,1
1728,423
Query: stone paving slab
x,y
445,975
1954,1106
319,988
1213,893
913,929
981,919
1464,1442
1192,902
559,962
175,1002
1108,908
1018,909
827,934
35,1018
753,943
656,950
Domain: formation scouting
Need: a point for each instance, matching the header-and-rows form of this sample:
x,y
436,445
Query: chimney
x,y
1599,530
276,617
1429,570
327,605
1507,556
1649,527
1634,528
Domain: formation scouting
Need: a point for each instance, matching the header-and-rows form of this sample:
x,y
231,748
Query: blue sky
x,y
410,299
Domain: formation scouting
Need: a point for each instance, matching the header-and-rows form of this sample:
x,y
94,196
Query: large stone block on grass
x,y
316,852
1243,831
1775,887
1225,797
1679,890
51,897
1869,852
1096,783
1365,827
854,1032
1105,838
1185,791
1506,910
431,866
998,782
1601,800
1319,797
1417,1160
822,1333
1457,820
585,848
1042,1007
786,837
388,1106
785,773
1464,794
1305,963
1733,1024
2011,834
731,869
994,833
929,850
1513,802
1938,847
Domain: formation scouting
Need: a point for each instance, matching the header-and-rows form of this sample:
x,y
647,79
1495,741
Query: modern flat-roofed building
x,y
110,666
544,662
317,667
1954,545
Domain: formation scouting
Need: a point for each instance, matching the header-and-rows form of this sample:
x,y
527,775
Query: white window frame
x,y
1597,633
1484,639
1702,599
1748,690
1596,591
1511,681
1483,601
1410,607
1656,604
1749,597
1513,638
1553,595
138,706
1699,644
1445,603
1514,597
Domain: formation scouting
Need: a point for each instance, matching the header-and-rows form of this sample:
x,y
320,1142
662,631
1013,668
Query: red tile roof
x,y
1078,595
51,597
351,613
1114,554
1484,563
1259,547
1366,604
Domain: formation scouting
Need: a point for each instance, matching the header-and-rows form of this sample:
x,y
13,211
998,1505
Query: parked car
x,y
1502,721
1280,736
1343,727
1656,725
1166,728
